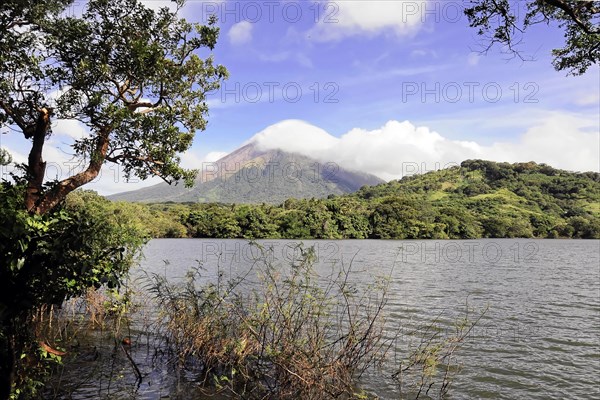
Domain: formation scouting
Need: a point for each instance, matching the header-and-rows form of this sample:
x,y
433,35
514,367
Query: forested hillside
x,y
477,199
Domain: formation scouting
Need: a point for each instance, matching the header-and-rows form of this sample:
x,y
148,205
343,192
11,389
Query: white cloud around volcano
x,y
399,148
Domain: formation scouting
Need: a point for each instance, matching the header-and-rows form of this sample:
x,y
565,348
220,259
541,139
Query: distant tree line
x,y
479,199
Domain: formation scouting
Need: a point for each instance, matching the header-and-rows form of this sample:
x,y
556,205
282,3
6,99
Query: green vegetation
x,y
135,80
45,259
477,199
287,337
133,77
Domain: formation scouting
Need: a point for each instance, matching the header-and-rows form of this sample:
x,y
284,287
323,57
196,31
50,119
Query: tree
x,y
254,222
136,80
134,77
351,217
213,221
500,23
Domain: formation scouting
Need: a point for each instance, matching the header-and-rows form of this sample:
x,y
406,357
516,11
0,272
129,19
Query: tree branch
x,y
66,186
571,13
27,130
148,104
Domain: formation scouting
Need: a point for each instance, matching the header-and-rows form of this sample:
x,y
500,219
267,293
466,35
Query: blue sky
x,y
391,82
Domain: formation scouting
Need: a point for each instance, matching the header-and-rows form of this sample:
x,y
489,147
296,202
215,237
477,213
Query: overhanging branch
x,y
66,186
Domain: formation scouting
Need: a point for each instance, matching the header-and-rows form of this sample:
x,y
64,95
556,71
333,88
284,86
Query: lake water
x,y
538,339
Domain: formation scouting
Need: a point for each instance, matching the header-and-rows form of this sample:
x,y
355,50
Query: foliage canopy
x,y
134,77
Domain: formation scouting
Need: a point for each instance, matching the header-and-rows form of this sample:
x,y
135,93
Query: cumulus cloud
x,y
399,148
561,141
240,33
191,160
59,161
69,127
60,164
368,17
588,99
17,156
157,5
110,181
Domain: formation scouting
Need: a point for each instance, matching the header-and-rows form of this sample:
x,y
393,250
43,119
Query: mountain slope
x,y
251,175
489,199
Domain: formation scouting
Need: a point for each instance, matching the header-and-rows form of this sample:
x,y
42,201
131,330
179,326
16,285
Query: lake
x,y
538,339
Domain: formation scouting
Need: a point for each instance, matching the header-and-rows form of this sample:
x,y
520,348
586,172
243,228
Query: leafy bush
x,y
46,259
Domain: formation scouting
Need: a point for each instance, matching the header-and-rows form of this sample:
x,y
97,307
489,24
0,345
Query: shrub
x,y
46,259
284,333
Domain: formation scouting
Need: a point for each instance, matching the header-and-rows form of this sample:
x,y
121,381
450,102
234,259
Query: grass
x,y
437,195
501,194
594,207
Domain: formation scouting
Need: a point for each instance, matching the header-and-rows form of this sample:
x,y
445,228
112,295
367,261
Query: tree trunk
x,y
36,167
